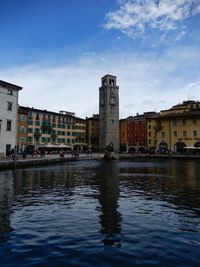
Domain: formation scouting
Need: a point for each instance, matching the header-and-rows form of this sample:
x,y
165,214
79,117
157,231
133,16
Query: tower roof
x,y
109,75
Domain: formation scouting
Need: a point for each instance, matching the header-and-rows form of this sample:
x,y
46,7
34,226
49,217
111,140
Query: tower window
x,y
8,126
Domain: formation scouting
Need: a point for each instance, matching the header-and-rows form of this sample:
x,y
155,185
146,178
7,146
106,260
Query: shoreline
x,y
20,163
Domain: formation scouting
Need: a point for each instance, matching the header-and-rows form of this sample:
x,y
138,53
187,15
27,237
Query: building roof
x,y
95,117
108,75
10,85
44,111
145,115
190,113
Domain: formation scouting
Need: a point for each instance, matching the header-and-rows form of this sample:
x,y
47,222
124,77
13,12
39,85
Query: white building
x,y
8,116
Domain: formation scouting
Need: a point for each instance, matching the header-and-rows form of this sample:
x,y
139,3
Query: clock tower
x,y
108,113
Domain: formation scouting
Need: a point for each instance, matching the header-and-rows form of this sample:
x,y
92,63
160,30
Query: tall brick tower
x,y
108,113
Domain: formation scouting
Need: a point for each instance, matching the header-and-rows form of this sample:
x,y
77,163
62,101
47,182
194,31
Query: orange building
x,y
22,130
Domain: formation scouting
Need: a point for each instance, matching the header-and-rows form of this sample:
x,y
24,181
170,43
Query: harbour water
x,y
98,213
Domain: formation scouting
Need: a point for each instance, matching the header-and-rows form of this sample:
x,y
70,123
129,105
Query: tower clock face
x,y
112,100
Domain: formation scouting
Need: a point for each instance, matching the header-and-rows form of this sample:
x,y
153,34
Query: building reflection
x,y
173,181
17,185
6,198
110,217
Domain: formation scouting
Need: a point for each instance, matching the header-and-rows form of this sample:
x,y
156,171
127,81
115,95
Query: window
x,y
9,106
174,122
194,121
149,126
22,117
22,129
163,134
184,121
184,134
149,134
194,133
175,133
149,141
37,117
10,92
21,139
8,126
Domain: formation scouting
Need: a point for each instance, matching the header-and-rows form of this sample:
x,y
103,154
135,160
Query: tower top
x,y
108,80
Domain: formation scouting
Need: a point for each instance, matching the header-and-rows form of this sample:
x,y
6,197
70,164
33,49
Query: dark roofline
x,y
92,118
10,85
181,114
109,75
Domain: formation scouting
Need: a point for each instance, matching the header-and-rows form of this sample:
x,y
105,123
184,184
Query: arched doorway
x,y
163,147
131,150
179,147
197,144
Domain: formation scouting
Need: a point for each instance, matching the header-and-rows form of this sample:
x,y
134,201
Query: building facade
x,y
136,132
8,116
92,132
108,113
178,127
80,134
39,127
123,130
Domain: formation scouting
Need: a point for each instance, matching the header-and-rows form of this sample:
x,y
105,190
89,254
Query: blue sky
x,y
58,50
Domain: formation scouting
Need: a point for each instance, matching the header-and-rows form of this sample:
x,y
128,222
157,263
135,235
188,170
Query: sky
x,y
58,51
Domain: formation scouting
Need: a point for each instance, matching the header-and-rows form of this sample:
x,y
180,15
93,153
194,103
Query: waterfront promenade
x,y
9,163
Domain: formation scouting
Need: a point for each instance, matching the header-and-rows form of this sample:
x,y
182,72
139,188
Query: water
x,y
97,213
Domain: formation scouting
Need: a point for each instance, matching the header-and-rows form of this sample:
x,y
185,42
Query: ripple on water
x,y
101,214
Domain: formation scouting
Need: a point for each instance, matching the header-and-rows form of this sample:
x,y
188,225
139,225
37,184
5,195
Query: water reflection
x,y
79,208
110,218
6,196
174,181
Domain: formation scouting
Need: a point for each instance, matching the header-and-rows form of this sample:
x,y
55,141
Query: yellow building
x,y
92,132
151,129
178,127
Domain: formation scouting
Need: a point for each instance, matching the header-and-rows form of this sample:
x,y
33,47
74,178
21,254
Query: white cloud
x,y
180,36
146,83
134,17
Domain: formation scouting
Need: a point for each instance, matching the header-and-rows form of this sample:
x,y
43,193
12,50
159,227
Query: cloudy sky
x,y
58,50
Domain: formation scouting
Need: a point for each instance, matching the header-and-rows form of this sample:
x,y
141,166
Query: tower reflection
x,y
110,217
